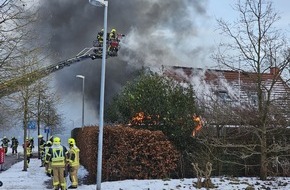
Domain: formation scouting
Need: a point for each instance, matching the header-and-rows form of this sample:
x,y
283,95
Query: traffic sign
x,y
46,130
31,125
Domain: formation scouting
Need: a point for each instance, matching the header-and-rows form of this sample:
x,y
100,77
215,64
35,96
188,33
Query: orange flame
x,y
140,119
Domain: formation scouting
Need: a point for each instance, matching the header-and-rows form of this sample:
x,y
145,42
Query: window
x,y
223,96
253,98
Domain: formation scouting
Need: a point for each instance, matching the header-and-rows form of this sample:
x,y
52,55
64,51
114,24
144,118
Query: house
x,y
229,94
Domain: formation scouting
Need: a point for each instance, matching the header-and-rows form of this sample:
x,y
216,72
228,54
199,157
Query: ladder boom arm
x,y
11,86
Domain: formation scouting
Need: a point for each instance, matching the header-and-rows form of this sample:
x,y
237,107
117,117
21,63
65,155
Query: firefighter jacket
x,y
57,155
46,149
28,146
15,143
29,150
73,157
41,144
100,36
112,36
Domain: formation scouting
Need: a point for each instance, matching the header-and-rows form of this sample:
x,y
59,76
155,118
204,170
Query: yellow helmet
x,y
40,136
71,141
56,140
113,30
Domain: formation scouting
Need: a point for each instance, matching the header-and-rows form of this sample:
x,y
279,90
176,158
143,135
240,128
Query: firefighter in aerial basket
x,y
113,34
197,124
100,38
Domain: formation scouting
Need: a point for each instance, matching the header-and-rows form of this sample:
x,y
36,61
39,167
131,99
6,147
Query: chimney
x,y
274,70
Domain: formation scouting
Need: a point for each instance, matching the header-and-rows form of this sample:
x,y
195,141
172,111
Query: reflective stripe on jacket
x,y
57,155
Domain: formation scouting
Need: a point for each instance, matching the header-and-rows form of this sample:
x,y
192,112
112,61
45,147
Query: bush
x,y
127,153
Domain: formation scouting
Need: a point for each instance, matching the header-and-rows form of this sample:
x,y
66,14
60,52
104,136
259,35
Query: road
x,y
9,160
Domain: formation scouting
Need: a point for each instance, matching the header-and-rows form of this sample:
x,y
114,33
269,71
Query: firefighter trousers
x,y
73,175
58,179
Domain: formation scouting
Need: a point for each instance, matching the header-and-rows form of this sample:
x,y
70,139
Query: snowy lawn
x,y
35,178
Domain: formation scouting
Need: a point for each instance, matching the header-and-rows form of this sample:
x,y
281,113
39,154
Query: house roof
x,y
231,76
235,87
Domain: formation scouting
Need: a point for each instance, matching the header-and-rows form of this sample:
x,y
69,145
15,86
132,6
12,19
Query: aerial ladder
x,y
95,52
12,85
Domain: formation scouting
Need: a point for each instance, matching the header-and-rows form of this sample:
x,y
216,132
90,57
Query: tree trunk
x,y
263,161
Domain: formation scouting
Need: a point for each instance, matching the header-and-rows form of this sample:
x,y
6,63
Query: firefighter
x,y
198,124
31,142
28,146
73,163
47,165
113,43
56,156
41,143
4,144
113,34
100,38
14,145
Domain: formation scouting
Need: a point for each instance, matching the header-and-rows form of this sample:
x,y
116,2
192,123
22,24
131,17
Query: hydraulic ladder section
x,y
86,53
11,86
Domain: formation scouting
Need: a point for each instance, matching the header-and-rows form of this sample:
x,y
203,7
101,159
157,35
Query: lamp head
x,y
98,3
80,76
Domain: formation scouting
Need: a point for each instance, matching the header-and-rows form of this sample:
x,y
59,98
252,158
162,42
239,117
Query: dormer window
x,y
253,98
223,95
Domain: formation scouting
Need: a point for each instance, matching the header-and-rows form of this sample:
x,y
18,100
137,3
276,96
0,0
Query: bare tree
x,y
50,117
23,99
255,45
16,17
33,102
45,101
19,58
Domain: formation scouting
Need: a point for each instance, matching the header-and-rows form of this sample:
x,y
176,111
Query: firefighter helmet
x,y
56,140
71,141
40,136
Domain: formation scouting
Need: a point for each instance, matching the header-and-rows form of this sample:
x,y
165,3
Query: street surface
x,y
10,160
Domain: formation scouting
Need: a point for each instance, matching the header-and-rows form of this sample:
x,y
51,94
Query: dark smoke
x,y
158,32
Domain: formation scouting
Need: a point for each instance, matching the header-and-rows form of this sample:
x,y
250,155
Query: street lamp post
x,y
83,107
101,3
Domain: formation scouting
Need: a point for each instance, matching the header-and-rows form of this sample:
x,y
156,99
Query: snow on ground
x,y
35,178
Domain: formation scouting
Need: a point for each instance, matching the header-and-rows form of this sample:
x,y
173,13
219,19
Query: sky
x,y
173,32
34,178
